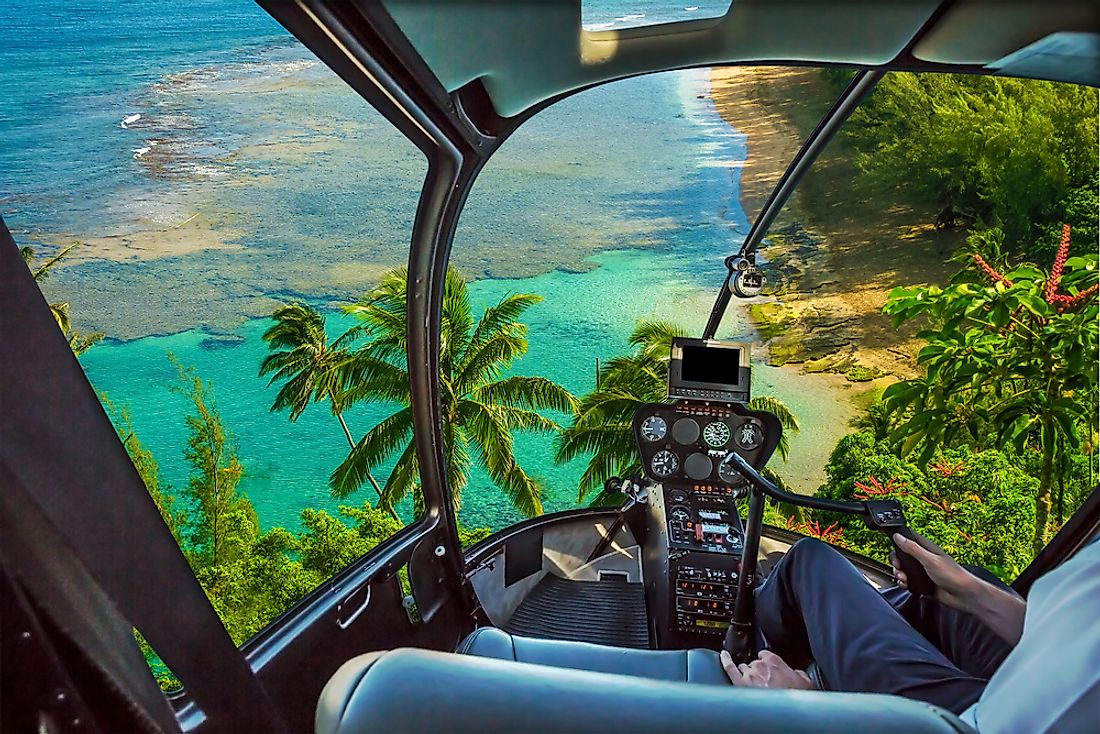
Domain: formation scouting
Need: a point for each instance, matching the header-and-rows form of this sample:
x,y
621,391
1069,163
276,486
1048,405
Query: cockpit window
x,y
618,14
211,214
938,192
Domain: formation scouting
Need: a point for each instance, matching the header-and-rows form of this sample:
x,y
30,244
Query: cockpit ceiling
x,y
527,51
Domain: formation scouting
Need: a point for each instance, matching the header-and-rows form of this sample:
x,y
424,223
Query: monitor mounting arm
x,y
743,279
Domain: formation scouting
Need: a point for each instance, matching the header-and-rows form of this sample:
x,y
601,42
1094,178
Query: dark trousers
x,y
816,606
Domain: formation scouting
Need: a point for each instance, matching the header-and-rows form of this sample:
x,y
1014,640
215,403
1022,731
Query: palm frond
x,y
43,271
486,362
533,393
501,316
615,439
493,447
779,409
776,407
404,478
363,376
61,315
457,321
371,450
655,338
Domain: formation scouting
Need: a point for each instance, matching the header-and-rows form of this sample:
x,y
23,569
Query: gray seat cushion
x,y
689,666
425,691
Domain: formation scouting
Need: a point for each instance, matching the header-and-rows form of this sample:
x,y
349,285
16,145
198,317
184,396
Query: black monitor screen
x,y
716,366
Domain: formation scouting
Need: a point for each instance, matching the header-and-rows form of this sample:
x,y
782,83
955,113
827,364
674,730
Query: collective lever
x,y
886,516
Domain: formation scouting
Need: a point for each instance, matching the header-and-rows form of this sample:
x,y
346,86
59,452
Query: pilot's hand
x,y
767,671
954,584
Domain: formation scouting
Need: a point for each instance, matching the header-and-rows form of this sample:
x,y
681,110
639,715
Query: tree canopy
x,y
1015,153
481,404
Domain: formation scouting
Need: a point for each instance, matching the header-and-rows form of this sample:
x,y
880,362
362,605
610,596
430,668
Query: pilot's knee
x,y
813,550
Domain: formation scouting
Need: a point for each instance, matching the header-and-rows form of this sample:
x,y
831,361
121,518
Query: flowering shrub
x,y
980,511
1010,364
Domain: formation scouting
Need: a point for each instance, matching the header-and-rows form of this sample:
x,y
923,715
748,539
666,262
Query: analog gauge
x,y
727,473
680,514
748,436
698,466
678,496
685,431
654,428
664,464
717,434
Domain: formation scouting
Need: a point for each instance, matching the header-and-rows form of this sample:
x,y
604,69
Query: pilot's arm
x,y
999,609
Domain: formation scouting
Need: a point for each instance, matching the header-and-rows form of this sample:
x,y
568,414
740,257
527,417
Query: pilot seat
x,y
497,682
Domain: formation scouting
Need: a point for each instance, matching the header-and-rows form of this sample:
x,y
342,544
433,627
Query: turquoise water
x,y
614,205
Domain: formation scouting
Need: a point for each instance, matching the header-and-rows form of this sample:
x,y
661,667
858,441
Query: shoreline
x,y
834,258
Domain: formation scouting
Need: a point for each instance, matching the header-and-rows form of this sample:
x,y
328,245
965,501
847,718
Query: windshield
x,y
240,218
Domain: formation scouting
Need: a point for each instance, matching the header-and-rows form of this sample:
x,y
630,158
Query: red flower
x,y
988,269
875,488
1050,293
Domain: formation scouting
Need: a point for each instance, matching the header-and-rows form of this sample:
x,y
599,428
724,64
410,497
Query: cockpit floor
x,y
610,611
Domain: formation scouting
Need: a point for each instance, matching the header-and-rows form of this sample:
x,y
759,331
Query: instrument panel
x,y
689,442
698,537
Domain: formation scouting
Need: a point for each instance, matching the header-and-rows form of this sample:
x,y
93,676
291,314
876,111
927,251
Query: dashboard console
x,y
695,533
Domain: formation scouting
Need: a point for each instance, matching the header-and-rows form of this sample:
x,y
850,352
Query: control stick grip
x,y
916,578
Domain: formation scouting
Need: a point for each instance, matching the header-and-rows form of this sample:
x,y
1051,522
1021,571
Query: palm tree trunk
x,y
370,477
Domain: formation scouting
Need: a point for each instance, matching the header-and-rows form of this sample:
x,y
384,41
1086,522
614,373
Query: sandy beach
x,y
837,254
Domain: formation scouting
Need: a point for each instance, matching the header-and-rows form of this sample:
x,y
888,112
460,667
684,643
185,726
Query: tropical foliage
x,y
977,505
1014,153
1010,364
78,342
602,427
307,364
482,405
226,521
250,576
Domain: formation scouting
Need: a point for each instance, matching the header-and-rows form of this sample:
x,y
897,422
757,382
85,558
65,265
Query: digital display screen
x,y
712,365
711,623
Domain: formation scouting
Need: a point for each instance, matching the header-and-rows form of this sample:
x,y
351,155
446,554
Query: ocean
x,y
253,176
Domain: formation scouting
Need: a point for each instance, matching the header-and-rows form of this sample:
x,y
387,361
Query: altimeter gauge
x,y
717,434
654,428
664,464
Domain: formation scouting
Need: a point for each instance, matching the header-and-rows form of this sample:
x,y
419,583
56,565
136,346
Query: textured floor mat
x,y
606,612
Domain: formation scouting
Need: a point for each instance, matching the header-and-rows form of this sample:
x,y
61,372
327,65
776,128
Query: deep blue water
x,y
622,201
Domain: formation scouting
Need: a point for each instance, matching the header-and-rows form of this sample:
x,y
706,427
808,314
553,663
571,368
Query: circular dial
x,y
664,464
680,514
685,431
654,428
717,434
727,473
698,466
748,436
678,495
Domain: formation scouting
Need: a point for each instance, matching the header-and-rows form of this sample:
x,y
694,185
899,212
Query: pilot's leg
x,y
816,604
963,638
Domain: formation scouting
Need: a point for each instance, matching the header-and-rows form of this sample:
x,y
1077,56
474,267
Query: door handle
x,y
346,616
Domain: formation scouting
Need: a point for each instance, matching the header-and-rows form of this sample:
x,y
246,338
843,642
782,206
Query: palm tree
x,y
603,424
306,362
78,342
480,407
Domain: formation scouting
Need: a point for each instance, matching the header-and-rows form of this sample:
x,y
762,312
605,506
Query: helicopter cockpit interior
x,y
609,617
